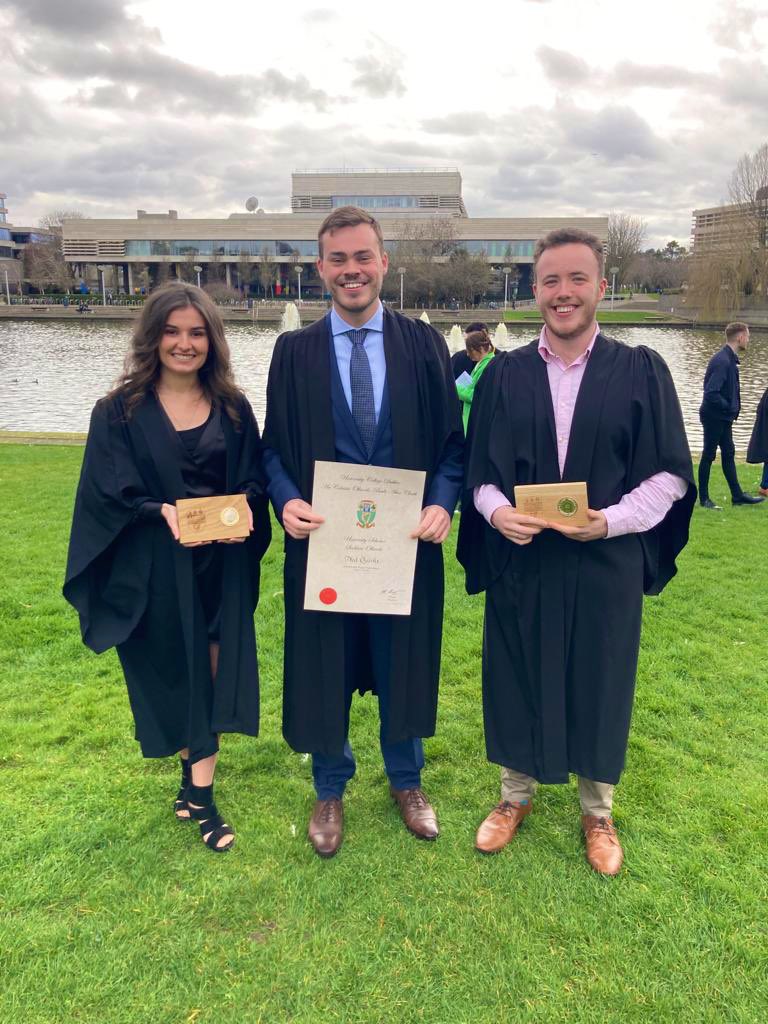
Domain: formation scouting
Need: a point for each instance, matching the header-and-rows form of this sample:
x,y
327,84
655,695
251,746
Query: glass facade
x,y
5,234
499,249
218,247
303,248
378,202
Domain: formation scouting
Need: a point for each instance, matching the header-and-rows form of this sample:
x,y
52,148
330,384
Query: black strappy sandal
x,y
212,825
180,803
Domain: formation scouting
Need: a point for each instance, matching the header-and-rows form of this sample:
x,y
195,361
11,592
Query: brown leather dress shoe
x,y
500,826
604,850
417,812
326,827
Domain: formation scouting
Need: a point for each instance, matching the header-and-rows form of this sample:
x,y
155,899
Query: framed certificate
x,y
362,558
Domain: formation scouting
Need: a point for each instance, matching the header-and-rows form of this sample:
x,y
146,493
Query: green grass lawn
x,y
605,316
111,912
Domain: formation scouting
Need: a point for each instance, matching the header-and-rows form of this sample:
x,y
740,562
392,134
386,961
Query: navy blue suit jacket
x,y
446,483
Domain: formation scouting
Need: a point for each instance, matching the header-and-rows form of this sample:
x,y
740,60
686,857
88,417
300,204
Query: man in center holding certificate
x,y
363,386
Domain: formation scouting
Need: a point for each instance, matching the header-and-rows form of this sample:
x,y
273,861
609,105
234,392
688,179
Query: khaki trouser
x,y
596,797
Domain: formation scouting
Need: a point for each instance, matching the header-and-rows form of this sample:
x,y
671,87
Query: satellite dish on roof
x,y
251,204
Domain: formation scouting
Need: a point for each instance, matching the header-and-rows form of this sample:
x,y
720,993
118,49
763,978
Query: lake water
x,y
51,374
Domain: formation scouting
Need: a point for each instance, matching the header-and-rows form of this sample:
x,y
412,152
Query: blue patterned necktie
x,y
361,386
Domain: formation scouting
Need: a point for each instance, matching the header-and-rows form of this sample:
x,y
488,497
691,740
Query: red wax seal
x,y
328,595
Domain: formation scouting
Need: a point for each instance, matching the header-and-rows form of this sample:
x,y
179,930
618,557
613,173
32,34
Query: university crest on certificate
x,y
362,558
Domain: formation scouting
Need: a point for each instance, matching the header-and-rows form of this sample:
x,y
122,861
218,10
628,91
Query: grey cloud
x,y
466,122
735,29
379,76
79,19
562,67
616,133
134,74
627,74
23,115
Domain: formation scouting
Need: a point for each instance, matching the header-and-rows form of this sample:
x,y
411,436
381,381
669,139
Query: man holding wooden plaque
x,y
585,435
362,387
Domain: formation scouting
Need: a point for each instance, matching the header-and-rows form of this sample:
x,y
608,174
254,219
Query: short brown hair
x,y
569,236
733,330
348,217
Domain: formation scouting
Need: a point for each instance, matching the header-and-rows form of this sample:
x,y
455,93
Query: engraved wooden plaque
x,y
565,503
221,517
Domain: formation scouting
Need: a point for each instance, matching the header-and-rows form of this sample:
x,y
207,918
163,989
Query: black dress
x,y
158,603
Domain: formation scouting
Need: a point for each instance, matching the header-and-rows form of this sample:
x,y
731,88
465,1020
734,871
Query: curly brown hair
x,y
142,363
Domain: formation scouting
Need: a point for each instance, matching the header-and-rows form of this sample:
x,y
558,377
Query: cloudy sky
x,y
546,106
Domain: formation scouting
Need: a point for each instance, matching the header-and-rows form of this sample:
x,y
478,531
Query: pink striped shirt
x,y
639,510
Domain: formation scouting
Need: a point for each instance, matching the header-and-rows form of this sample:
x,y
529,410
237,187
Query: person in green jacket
x,y
480,350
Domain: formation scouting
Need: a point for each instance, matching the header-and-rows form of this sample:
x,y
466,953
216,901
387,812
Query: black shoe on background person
x,y
747,499
708,503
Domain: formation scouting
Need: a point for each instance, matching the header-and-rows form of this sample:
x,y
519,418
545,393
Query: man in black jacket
x,y
719,408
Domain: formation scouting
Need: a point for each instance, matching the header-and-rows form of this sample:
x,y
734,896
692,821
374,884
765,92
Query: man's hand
x,y
515,526
596,528
299,520
433,525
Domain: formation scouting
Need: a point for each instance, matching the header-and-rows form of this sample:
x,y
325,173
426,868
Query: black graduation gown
x,y
562,625
299,427
758,443
135,589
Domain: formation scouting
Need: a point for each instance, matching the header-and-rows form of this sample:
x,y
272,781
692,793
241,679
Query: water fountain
x,y
501,335
290,320
455,338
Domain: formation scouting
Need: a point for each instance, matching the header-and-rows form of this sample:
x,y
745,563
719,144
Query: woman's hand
x,y
171,516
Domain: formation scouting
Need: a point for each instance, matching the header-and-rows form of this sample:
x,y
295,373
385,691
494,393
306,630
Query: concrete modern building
x,y
395,191
718,228
276,250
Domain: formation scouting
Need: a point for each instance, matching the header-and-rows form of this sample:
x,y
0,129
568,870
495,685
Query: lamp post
x,y
401,272
614,272
7,289
299,271
507,272
103,286
198,271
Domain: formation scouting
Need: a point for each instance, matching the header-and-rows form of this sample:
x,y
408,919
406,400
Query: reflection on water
x,y
51,374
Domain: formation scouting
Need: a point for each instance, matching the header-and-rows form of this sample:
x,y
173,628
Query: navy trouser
x,y
718,434
402,761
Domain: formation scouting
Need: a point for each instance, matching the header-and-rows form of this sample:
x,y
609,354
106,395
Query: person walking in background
x,y
480,351
758,443
719,409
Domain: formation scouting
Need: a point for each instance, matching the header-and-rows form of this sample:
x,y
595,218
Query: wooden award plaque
x,y
221,517
564,504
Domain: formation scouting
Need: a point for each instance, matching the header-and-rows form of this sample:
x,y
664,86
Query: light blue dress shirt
x,y
374,349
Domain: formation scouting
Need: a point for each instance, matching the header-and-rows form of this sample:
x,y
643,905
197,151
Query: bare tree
x,y
266,271
626,234
44,263
748,192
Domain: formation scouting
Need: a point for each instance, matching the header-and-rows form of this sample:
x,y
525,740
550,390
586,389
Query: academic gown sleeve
x,y
482,551
660,445
758,443
105,580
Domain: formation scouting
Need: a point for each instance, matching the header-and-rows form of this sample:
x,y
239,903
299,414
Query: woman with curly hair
x,y
180,616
